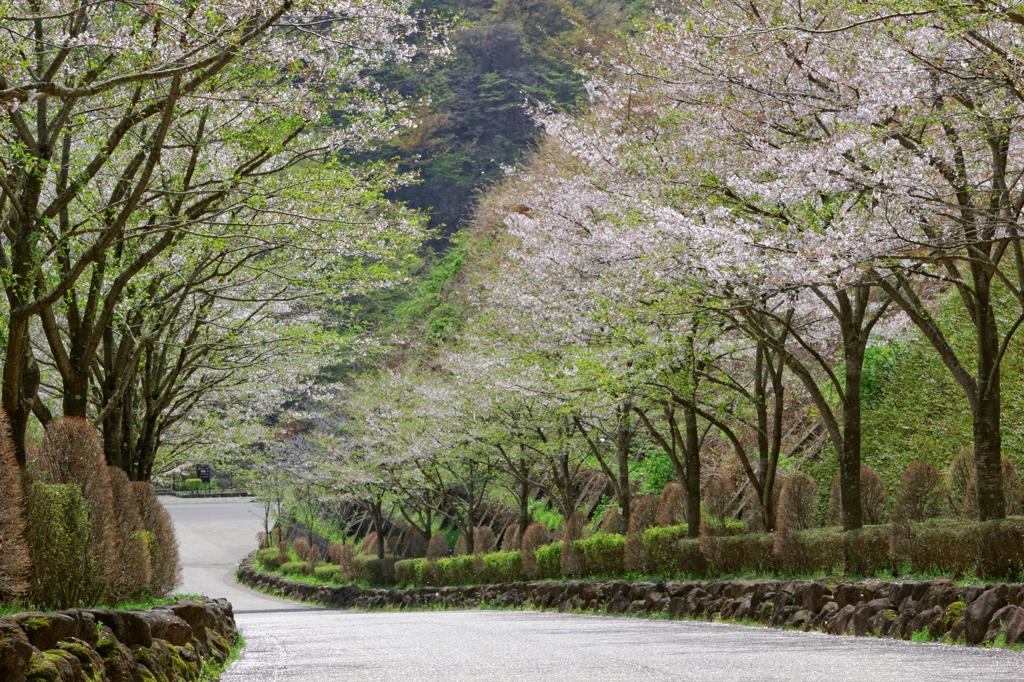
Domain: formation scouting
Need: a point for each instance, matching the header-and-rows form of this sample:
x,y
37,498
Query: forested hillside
x,y
491,264
718,275
473,120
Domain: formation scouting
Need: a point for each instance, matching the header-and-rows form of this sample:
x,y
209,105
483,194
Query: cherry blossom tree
x,y
130,127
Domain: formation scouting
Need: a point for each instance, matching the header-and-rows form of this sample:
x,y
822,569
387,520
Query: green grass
x,y
914,410
18,606
213,671
921,636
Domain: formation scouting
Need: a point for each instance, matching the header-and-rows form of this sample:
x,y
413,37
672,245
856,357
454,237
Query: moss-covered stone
x,y
89,660
118,662
183,668
15,651
220,647
107,658
44,630
953,613
33,623
42,669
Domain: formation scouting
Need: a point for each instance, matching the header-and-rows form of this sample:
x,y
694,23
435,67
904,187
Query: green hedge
x,y
946,546
602,554
57,532
380,571
662,549
502,567
296,568
269,557
750,553
193,484
460,570
328,573
819,549
409,572
867,551
1001,551
549,561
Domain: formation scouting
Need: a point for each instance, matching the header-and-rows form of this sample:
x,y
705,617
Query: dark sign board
x,y
203,473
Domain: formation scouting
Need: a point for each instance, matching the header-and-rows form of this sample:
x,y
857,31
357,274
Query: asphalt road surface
x,y
289,641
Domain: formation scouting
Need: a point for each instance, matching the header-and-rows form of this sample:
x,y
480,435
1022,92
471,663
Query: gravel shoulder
x,y
286,640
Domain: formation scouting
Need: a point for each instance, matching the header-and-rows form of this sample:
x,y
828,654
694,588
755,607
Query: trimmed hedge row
x,y
993,549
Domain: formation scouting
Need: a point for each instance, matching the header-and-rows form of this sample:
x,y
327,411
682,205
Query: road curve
x,y
290,641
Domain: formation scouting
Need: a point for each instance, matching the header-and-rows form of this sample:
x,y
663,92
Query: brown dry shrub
x,y
346,560
752,513
510,539
571,561
134,569
484,541
275,535
334,552
834,516
535,537
163,545
411,544
371,545
72,453
262,541
919,497
14,557
611,522
797,511
641,518
718,496
302,548
671,506
461,546
971,510
874,499
438,547
962,485
284,551
316,555
798,504
1012,489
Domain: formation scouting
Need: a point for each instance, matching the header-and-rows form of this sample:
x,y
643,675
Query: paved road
x,y
286,641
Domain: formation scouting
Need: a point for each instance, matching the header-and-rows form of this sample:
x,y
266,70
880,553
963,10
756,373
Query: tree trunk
x,y
146,450
987,412
16,403
623,442
378,526
849,464
76,394
524,501
692,451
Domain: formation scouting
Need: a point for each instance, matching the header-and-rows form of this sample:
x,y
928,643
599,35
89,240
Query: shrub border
x,y
935,610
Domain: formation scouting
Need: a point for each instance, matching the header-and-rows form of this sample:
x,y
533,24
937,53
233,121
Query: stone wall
x,y
164,643
972,614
